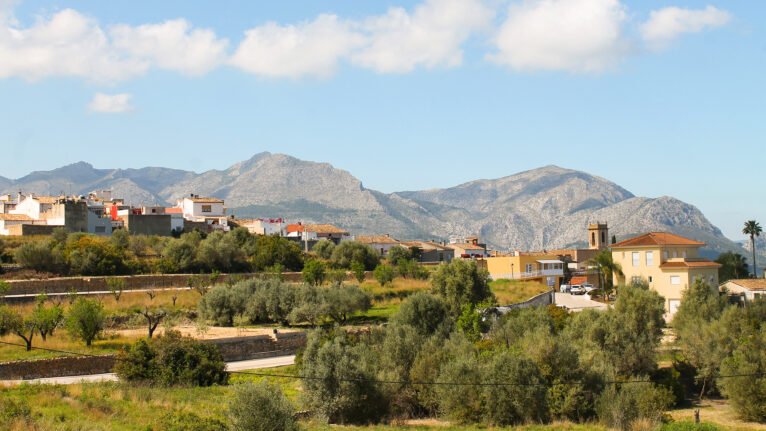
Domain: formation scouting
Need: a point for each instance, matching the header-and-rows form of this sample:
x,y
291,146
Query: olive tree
x,y
85,319
461,282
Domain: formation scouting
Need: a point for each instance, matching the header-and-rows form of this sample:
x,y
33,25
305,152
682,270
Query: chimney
x,y
388,235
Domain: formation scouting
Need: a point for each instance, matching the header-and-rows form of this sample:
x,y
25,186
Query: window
x,y
684,254
207,208
675,279
665,254
100,229
528,267
712,279
603,237
675,254
649,258
650,279
636,258
635,279
593,238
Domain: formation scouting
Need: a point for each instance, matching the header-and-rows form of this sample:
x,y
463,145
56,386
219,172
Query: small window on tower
x,y
207,208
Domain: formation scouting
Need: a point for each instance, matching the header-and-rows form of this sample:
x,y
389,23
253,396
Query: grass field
x,y
513,291
117,406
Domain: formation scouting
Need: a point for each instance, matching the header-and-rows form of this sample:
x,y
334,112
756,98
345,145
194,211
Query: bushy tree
x,y
733,266
352,251
747,393
314,272
384,274
38,256
340,387
397,253
172,359
85,319
261,406
343,301
424,312
120,238
47,318
337,276
11,321
521,403
357,268
271,250
89,255
461,282
181,254
620,406
324,248
222,252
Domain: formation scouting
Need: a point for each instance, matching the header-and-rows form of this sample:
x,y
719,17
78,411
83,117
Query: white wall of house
x,y
194,210
31,207
98,223
176,222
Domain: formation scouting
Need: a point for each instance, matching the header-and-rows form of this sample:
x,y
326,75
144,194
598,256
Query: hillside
x,y
541,208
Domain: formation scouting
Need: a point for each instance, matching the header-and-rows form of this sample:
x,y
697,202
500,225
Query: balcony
x,y
530,274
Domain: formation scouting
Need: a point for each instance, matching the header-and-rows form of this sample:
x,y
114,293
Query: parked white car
x,y
564,288
577,290
588,287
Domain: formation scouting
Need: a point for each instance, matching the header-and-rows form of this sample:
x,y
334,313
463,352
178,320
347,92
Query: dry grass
x,y
60,340
718,412
400,287
513,291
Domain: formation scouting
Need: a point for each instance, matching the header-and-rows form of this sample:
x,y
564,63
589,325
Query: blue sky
x,y
661,97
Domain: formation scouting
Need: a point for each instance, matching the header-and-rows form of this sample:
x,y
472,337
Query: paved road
x,y
252,364
577,302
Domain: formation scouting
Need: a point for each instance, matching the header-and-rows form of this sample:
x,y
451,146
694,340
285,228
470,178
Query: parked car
x,y
564,288
577,290
588,287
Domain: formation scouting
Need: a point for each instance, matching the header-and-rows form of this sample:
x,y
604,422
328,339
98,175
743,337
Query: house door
x,y
673,305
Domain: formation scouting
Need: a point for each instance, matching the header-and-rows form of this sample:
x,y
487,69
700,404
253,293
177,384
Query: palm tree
x,y
606,267
753,229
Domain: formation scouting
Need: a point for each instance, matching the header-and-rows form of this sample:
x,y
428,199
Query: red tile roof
x,y
751,283
657,238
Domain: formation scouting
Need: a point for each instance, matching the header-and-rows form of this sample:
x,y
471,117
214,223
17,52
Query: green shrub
x,y
261,406
340,387
12,410
324,248
461,282
314,272
342,301
747,394
422,311
384,274
351,251
38,256
171,359
689,426
511,405
85,319
619,408
357,268
188,421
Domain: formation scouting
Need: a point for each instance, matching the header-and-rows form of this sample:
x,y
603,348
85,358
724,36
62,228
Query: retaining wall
x,y
132,282
232,349
544,299
56,367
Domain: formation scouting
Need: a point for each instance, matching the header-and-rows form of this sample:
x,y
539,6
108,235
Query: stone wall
x,y
132,282
56,367
544,299
30,229
260,346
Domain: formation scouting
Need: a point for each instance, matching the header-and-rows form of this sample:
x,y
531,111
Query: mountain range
x,y
544,208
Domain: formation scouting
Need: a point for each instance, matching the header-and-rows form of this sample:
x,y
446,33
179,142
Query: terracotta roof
x,y
424,245
46,199
16,217
686,264
578,280
324,228
377,239
751,283
174,211
465,246
206,200
657,238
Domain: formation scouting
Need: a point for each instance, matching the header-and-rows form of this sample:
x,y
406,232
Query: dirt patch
x,y
716,411
212,332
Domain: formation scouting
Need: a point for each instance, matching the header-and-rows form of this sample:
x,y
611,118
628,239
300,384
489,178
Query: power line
x,y
394,382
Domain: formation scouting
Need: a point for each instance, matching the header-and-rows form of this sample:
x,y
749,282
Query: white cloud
x,y
111,103
431,36
311,48
172,45
570,35
68,44
666,24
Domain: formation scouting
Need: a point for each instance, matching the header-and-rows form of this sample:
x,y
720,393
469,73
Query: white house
x,y
381,243
265,226
749,289
196,208
33,206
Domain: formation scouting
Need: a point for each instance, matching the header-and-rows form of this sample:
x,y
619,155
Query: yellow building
x,y
547,269
668,262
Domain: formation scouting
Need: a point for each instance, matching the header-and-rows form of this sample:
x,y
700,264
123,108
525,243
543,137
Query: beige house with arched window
x,y
668,262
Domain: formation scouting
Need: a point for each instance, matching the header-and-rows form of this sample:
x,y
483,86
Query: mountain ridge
x,y
543,208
